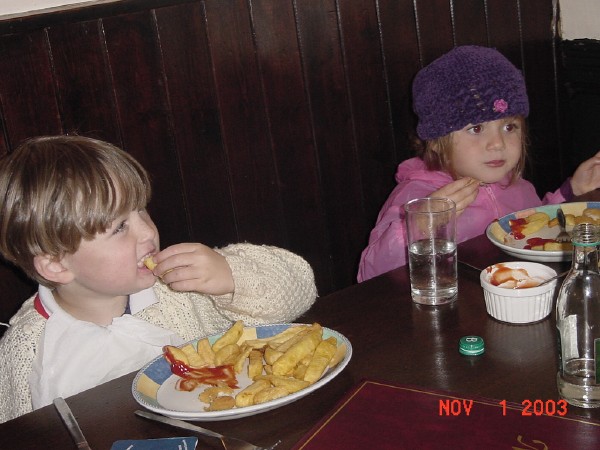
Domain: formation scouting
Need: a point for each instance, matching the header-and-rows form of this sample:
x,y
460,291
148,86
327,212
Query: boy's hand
x,y
462,191
587,176
194,267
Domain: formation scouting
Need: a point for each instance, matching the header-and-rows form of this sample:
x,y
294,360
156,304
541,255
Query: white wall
x,y
579,18
8,7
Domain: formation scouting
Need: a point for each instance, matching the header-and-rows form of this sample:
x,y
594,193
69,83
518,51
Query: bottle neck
x,y
585,257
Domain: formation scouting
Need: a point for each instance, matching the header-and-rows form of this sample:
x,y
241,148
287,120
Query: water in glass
x,y
432,266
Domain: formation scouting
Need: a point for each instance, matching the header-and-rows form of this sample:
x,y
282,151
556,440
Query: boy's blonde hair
x,y
57,190
437,153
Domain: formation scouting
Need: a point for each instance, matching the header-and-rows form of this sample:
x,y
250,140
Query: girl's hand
x,y
194,267
587,176
462,191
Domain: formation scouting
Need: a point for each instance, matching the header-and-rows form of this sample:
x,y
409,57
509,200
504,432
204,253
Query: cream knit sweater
x,y
271,285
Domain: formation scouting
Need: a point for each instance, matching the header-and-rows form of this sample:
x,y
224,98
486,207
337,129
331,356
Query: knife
x,y
71,423
177,423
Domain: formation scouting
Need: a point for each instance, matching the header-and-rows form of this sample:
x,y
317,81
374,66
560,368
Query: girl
x,y
471,105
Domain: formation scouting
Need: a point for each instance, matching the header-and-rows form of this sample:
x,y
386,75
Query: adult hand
x,y
462,191
194,267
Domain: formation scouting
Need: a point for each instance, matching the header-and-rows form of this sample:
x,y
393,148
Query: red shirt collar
x,y
37,304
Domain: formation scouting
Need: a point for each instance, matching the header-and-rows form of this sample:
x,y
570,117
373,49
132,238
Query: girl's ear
x,y
52,269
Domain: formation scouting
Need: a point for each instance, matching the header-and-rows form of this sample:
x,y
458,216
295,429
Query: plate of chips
x,y
285,363
528,234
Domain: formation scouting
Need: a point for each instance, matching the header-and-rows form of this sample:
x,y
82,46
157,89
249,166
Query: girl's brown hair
x,y
437,153
57,190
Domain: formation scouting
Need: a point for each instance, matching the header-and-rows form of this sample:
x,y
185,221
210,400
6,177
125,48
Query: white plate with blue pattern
x,y
515,247
154,385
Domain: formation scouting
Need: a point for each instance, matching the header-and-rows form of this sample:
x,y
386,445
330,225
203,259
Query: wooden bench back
x,y
271,121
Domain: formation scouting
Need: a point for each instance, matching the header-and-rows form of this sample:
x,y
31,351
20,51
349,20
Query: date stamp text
x,y
457,407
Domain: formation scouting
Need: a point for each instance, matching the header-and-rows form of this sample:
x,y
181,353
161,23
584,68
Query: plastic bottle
x,y
578,322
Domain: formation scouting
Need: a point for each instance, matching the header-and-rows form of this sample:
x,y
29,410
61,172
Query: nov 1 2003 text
x,y
457,407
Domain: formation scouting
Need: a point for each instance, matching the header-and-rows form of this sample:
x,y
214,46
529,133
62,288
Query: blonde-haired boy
x,y
73,217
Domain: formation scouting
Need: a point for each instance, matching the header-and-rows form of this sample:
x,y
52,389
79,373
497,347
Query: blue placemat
x,y
176,443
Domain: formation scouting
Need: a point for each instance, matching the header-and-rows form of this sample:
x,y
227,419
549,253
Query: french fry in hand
x,y
149,263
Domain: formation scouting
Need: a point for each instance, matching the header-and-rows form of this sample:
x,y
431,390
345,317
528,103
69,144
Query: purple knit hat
x,y
469,84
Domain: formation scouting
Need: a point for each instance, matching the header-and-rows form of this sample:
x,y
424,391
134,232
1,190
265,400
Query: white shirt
x,y
75,355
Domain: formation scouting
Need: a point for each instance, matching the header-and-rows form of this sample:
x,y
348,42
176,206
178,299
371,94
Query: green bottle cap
x,y
471,345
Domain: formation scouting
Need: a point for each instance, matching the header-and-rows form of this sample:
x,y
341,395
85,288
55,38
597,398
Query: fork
x,y
229,443
563,236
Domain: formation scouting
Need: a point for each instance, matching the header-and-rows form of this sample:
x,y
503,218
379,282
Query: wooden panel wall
x,y
270,121
581,106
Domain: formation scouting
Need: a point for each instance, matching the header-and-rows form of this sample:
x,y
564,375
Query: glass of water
x,y
431,238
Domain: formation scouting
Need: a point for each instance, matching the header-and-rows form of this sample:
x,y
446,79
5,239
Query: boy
x,y
73,217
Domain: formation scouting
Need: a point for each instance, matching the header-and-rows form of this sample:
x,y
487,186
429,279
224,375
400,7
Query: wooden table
x,y
393,340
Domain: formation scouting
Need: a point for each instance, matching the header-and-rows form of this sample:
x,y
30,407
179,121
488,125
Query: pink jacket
x,y
387,242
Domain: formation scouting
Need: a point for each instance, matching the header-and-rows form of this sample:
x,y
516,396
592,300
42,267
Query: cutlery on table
x,y
229,443
563,236
71,423
560,275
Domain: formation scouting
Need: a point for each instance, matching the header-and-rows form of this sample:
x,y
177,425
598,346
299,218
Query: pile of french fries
x,y
278,366
530,225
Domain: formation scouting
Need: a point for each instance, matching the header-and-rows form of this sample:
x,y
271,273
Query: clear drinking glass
x,y
431,235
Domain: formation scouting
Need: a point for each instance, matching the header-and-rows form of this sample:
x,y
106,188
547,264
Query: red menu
x,y
378,415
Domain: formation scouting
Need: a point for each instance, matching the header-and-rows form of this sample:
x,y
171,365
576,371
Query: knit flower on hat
x,y
500,105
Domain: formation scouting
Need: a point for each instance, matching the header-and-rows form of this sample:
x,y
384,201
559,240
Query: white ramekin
x,y
524,305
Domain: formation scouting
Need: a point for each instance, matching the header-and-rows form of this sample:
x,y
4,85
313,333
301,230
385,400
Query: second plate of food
x,y
501,234
158,389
